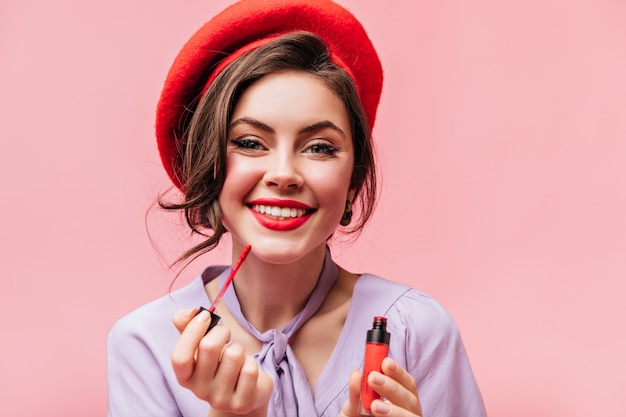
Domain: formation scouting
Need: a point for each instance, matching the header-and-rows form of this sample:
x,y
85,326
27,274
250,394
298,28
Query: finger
x,y
252,389
182,317
381,408
394,392
264,387
227,372
245,397
351,406
392,369
209,354
396,385
249,390
183,354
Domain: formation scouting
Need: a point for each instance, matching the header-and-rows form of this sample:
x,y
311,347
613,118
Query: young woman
x,y
270,141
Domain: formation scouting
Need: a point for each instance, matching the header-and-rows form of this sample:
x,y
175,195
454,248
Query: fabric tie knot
x,y
274,344
276,357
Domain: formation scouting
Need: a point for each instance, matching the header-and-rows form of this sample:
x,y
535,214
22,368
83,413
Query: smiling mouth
x,y
280,213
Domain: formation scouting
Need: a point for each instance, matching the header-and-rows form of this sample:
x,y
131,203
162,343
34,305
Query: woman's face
x,y
288,166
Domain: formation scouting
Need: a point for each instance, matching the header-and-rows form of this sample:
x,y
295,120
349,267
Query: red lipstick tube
x,y
376,349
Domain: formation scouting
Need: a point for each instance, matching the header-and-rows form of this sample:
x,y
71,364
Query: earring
x,y
347,214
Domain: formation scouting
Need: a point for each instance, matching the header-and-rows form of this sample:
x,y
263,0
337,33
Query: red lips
x,y
288,223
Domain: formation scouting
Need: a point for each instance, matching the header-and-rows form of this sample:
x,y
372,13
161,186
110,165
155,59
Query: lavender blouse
x,y
424,339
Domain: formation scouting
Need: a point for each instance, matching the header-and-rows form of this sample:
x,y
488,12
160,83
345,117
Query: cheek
x,y
236,167
241,176
332,190
237,184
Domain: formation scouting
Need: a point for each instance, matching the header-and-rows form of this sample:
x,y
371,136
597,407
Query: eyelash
x,y
323,148
247,144
254,145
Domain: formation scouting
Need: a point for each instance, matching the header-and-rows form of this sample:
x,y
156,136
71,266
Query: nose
x,y
282,171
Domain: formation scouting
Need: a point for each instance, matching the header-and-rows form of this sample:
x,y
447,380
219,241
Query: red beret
x,y
248,22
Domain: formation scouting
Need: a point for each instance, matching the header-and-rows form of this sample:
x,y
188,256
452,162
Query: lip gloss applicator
x,y
214,317
376,349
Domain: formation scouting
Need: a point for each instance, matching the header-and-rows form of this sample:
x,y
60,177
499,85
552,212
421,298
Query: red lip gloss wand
x,y
214,317
376,349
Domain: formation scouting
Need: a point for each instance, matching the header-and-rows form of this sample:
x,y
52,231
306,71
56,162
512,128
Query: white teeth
x,y
281,213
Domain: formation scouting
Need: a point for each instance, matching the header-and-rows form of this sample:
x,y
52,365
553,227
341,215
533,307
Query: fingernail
x,y
203,316
381,407
377,379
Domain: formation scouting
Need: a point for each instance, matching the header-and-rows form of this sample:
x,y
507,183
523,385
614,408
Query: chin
x,y
279,257
283,253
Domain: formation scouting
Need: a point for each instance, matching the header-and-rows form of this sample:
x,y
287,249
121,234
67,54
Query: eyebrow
x,y
253,122
325,124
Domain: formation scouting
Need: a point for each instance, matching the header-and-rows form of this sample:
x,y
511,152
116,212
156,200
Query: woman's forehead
x,y
293,96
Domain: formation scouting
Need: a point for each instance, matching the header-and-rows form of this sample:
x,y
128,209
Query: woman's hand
x,y
395,384
217,371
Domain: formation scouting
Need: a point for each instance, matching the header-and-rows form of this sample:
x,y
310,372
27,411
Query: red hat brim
x,y
249,21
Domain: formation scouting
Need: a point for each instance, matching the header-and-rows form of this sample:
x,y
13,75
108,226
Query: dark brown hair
x,y
204,152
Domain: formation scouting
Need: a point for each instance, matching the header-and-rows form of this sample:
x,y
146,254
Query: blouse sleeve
x,y
141,381
435,356
136,383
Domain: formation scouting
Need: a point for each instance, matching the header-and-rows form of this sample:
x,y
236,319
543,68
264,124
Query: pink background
x,y
502,139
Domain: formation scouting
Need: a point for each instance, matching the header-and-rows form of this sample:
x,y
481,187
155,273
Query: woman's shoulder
x,y
375,287
422,328
404,306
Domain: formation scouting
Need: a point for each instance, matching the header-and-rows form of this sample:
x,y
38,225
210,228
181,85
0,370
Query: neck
x,y
270,295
